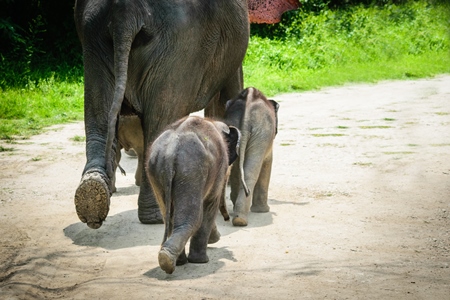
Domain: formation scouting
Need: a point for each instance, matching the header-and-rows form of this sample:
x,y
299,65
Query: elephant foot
x,y
150,216
167,261
182,259
148,209
260,208
92,199
198,258
214,237
240,221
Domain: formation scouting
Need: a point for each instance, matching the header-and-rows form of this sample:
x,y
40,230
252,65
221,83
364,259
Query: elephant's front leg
x,y
241,201
92,197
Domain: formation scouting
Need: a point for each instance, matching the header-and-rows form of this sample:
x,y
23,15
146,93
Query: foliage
x,y
359,43
36,36
26,111
41,81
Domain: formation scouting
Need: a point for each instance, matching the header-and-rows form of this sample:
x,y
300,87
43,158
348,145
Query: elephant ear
x,y
233,140
228,104
276,106
269,11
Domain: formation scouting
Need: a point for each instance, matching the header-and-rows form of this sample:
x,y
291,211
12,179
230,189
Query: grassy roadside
x,y
358,44
26,111
405,68
310,51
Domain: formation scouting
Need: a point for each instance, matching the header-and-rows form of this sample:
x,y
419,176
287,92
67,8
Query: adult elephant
x,y
161,60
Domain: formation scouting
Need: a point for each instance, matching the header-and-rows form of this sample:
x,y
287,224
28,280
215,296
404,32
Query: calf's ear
x,y
275,106
233,140
228,104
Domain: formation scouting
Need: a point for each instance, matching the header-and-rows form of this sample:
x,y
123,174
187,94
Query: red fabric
x,y
269,11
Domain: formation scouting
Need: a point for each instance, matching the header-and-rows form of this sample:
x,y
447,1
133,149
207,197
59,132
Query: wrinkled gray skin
x,y
256,118
160,59
130,136
187,169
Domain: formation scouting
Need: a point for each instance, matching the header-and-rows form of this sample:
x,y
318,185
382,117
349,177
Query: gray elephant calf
x,y
187,169
256,118
130,136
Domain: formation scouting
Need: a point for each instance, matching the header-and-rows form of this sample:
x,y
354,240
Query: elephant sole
x,y
166,261
92,200
239,221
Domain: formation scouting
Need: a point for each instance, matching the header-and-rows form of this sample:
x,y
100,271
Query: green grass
x,y
375,127
398,152
78,138
6,149
327,134
25,111
363,164
355,45
311,51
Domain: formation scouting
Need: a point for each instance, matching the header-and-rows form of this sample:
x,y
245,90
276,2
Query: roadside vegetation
x,y
310,50
313,47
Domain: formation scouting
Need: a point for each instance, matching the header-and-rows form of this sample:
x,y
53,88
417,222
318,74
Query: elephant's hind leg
x,y
92,199
206,233
260,193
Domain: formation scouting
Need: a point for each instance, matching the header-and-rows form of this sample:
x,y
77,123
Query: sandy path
x,y
360,201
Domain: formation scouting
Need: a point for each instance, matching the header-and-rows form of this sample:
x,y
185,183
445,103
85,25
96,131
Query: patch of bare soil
x,y
359,196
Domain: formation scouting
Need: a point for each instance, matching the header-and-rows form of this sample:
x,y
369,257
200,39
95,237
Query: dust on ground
x,y
359,196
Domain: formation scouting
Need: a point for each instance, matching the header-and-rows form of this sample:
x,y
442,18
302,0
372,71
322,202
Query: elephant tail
x,y
241,164
122,41
167,173
245,135
168,204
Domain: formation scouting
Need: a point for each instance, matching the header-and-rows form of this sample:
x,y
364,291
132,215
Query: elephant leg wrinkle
x,y
148,209
92,199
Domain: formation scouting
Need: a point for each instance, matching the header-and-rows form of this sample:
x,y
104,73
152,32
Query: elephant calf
x,y
256,118
187,169
130,136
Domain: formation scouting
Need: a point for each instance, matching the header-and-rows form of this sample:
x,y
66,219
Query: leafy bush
x,y
307,45
36,37
310,48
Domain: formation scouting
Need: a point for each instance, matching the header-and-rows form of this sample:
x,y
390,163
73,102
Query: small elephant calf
x,y
130,136
256,117
187,169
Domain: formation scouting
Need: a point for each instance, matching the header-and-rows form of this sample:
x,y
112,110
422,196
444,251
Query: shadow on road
x,y
122,230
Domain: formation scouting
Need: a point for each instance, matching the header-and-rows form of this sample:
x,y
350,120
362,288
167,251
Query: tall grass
x,y
307,51
25,111
359,44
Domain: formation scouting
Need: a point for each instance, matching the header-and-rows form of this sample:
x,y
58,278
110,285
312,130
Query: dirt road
x,y
359,196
